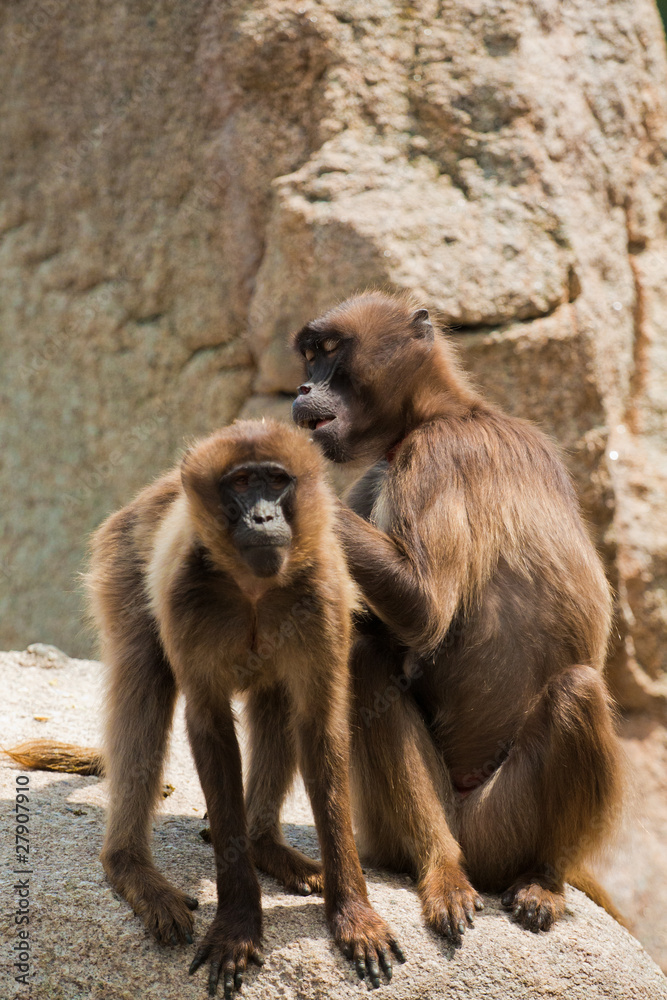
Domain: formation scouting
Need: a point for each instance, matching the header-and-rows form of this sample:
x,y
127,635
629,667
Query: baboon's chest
x,y
257,638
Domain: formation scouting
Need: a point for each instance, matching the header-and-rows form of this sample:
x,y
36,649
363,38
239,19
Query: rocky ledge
x,y
85,942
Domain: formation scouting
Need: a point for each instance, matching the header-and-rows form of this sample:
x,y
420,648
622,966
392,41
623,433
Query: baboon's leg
x,y
272,768
142,693
400,788
321,716
234,937
551,801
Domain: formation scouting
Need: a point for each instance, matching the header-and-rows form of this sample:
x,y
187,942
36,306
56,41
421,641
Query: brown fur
x,y
490,610
178,609
588,884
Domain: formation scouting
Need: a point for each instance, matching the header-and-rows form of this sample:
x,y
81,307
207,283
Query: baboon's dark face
x,y
258,500
325,404
360,360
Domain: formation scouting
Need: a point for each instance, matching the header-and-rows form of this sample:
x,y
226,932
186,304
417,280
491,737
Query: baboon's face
x,y
258,500
361,361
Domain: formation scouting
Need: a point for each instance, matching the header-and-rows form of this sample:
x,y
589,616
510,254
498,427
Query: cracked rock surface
x,y
182,185
86,943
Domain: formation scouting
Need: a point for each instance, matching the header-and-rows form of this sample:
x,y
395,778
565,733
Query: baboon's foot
x,y
449,901
288,866
536,903
165,911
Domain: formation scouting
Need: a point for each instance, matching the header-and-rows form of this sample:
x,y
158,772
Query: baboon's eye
x,y
278,480
330,345
241,482
309,354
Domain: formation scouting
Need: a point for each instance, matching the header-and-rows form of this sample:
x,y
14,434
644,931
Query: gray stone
x,y
87,943
183,185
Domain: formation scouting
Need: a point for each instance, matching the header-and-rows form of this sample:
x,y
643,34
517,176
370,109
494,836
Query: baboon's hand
x,y
228,948
365,938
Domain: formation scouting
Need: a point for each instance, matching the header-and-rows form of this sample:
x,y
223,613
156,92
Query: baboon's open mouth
x,y
314,423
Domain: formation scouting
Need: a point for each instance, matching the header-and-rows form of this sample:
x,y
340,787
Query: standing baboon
x,y
226,576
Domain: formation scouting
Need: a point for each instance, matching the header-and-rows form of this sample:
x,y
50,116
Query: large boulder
x,y
85,941
184,184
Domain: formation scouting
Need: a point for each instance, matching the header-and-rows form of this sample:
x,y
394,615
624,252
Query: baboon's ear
x,y
421,325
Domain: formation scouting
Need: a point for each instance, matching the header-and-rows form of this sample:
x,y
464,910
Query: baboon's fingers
x,y
229,980
199,958
397,950
385,962
373,969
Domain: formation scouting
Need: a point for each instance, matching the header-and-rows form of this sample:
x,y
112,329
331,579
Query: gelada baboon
x,y
497,768
226,576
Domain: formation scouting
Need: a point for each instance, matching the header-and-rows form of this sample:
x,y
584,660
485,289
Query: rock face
x,y
86,942
635,874
184,184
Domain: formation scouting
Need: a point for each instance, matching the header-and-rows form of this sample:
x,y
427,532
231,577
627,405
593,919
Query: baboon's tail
x,y
45,755
586,883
